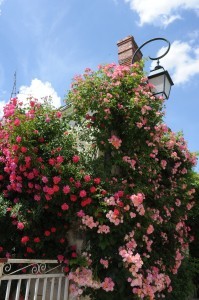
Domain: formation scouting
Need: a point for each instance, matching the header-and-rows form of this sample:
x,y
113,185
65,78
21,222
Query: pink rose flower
x,y
87,178
60,258
37,197
44,179
82,193
60,159
80,213
66,189
18,139
58,114
20,225
17,122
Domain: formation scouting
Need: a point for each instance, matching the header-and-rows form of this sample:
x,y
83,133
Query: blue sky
x,y
47,42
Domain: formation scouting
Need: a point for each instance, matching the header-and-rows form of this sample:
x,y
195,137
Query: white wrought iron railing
x,y
32,279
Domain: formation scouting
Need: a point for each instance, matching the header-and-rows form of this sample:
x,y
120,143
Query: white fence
x,y
32,279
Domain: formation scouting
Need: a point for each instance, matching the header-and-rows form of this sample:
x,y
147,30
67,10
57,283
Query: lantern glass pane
x,y
167,87
158,83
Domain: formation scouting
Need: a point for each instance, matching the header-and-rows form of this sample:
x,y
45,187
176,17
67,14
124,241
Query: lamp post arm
x,y
152,40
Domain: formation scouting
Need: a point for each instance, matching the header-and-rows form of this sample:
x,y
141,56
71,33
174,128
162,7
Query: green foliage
x,y
184,285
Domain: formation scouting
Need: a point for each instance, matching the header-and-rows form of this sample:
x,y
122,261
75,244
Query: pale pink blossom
x,y
132,215
104,262
108,284
190,205
83,277
114,218
140,209
103,229
80,213
177,202
163,163
137,199
89,222
150,229
115,141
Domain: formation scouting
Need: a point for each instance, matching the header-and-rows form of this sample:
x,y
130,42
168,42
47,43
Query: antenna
x,y
14,91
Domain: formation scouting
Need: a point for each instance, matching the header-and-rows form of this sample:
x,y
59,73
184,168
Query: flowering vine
x,y
119,177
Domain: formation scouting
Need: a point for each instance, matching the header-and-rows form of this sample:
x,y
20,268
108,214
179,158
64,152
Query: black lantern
x,y
161,81
159,77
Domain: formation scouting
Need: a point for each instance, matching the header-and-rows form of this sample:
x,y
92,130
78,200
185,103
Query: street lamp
x,y
159,78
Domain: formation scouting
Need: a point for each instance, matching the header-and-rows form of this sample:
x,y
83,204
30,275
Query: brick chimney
x,y
126,49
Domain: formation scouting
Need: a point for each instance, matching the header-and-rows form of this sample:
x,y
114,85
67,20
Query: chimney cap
x,y
124,40
126,49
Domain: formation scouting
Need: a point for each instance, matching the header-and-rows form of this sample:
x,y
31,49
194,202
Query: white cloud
x,y
194,35
162,12
182,61
2,104
170,19
39,90
1,1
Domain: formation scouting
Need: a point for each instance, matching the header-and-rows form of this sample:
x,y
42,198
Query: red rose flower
x,y
65,206
73,198
66,269
30,250
24,239
37,240
47,233
97,180
76,158
56,179
92,189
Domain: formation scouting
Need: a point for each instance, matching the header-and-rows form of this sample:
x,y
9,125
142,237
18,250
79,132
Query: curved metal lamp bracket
x,y
152,40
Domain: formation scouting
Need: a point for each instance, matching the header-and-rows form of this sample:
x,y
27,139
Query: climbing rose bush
x,y
42,181
137,233
116,176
